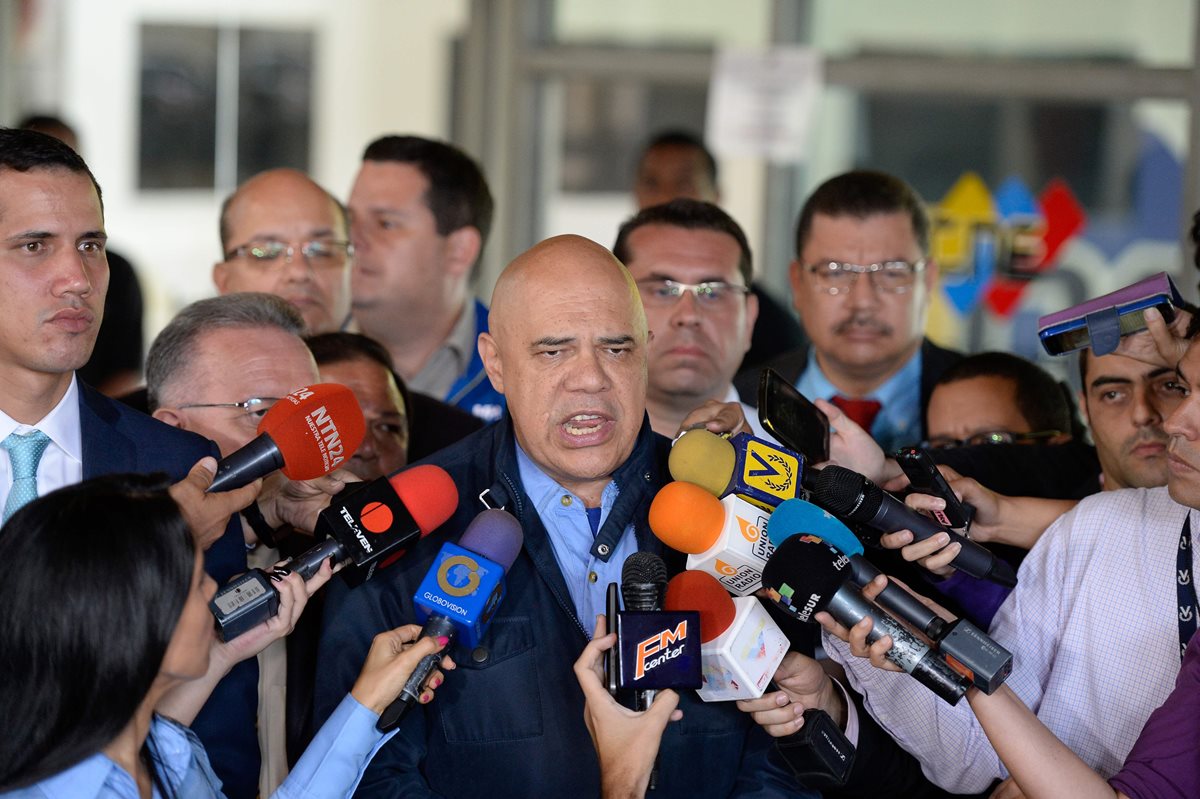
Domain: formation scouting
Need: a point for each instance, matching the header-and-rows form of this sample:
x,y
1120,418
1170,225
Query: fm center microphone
x,y
367,525
967,648
726,538
306,434
757,471
459,596
847,493
805,577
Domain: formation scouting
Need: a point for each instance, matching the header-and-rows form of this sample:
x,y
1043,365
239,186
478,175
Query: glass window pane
x,y
274,100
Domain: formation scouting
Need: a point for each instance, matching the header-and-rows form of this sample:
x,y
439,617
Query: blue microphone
x,y
966,647
459,596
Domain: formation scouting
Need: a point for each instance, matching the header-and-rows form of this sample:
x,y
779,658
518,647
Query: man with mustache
x,y
691,263
861,282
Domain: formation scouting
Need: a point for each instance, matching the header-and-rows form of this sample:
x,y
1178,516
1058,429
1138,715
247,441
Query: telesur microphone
x,y
741,646
805,577
968,649
762,473
726,538
849,494
459,596
306,434
359,529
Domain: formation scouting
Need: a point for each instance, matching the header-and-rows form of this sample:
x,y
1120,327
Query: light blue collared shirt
x,y
565,518
331,766
899,419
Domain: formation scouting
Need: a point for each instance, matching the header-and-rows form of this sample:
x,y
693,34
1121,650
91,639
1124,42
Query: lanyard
x,y
1186,590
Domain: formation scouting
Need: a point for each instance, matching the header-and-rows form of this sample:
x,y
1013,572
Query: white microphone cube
x,y
738,555
740,662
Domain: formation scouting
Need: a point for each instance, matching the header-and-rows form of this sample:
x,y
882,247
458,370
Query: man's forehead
x,y
661,249
1120,367
24,200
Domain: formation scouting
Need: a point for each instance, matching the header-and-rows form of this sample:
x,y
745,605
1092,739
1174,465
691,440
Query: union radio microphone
x,y
847,493
459,596
306,434
367,525
967,648
741,646
805,577
761,473
726,538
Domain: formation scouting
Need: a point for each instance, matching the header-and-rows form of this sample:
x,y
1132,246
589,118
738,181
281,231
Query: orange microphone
x,y
740,644
306,434
726,538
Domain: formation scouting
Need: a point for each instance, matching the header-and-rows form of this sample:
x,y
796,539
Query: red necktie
x,y
861,411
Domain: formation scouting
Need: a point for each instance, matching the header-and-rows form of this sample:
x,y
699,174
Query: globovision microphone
x,y
740,644
761,473
968,649
805,577
847,493
366,525
726,538
459,596
306,434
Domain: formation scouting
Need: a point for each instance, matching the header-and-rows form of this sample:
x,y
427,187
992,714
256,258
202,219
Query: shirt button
x,y
566,500
592,577
480,654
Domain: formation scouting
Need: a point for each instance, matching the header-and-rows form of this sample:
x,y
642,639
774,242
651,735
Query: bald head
x,y
567,348
285,206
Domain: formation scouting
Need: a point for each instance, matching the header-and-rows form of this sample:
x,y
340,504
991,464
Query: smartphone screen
x,y
792,418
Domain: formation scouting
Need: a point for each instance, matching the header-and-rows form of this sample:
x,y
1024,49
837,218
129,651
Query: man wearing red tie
x,y
861,282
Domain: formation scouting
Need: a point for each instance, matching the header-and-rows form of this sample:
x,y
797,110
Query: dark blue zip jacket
x,y
509,720
472,390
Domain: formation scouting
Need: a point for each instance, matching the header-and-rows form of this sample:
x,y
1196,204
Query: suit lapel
x,y
105,450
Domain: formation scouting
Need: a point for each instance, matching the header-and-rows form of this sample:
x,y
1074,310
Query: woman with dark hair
x,y
106,631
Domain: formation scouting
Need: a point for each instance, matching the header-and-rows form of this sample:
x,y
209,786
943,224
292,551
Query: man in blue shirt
x,y
862,280
576,462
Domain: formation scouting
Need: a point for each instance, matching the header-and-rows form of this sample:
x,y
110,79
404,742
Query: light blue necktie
x,y
24,452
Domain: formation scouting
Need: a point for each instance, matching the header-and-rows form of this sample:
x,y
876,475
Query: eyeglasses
x,y
713,293
318,253
255,407
993,437
891,277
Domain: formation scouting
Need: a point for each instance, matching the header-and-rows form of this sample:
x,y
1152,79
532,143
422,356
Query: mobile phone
x,y
1100,323
789,416
612,661
924,477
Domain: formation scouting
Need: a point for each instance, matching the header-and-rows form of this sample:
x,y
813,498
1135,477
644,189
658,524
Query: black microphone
x,y
804,577
643,583
847,493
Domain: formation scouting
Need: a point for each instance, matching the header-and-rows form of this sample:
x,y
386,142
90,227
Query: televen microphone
x,y
761,473
306,434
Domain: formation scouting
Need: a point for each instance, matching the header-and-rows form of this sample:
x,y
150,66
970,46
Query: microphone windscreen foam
x,y
705,459
496,534
802,575
847,493
700,591
796,517
316,428
686,517
428,493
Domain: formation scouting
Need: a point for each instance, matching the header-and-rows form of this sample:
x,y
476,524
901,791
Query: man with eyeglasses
x,y
691,262
861,281
283,234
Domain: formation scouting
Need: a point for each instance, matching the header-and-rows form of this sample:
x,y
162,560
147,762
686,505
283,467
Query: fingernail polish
x,y
442,640
436,683
425,698
276,577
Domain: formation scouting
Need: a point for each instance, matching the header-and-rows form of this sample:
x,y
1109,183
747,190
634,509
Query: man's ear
x,y
462,250
492,364
170,416
1083,409
220,277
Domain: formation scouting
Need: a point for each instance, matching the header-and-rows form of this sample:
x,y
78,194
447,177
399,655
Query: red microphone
x,y
740,644
306,434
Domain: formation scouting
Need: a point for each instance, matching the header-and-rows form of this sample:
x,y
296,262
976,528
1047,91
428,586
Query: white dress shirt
x,y
62,462
1094,633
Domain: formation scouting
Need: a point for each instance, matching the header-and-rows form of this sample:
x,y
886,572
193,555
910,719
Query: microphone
x,y
643,581
459,596
805,577
367,525
987,663
848,493
762,473
306,434
741,646
726,538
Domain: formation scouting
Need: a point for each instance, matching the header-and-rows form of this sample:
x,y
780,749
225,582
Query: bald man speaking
x,y
575,460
